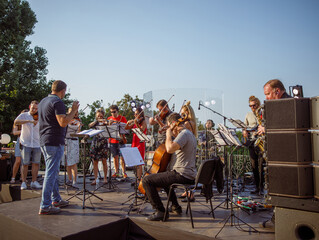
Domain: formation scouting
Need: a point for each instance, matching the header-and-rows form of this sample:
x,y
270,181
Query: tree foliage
x,y
22,68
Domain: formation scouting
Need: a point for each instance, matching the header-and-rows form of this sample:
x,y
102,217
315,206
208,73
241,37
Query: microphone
x,y
199,105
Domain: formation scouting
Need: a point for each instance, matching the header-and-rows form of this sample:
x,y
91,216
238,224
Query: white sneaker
x,y
36,185
23,186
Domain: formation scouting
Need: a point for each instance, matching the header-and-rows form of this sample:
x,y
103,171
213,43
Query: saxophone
x,y
259,143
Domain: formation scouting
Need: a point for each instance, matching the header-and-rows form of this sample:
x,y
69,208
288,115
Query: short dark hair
x,y
276,83
161,103
58,85
173,117
114,107
34,102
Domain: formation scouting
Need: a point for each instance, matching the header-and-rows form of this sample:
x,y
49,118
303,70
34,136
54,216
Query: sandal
x,y
93,183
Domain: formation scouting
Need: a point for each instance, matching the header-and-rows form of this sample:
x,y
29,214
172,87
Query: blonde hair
x,y
254,99
191,115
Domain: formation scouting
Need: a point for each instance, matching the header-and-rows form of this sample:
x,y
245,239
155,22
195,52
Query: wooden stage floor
x,y
109,219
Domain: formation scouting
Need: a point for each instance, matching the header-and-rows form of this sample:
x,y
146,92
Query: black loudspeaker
x,y
315,146
289,147
289,113
314,112
296,224
316,179
290,180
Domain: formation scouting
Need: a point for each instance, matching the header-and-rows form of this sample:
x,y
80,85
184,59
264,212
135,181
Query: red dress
x,y
136,143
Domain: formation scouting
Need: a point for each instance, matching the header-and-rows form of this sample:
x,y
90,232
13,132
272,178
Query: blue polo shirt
x,y
51,133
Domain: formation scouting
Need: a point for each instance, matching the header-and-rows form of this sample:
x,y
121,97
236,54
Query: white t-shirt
x,y
30,136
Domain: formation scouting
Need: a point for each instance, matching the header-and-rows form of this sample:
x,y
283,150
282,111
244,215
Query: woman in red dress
x,y
138,122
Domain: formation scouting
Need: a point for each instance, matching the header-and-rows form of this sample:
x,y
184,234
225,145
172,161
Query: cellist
x,y
161,119
181,168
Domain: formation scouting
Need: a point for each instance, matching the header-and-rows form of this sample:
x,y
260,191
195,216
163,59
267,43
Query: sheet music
x,y
110,131
220,138
230,134
89,132
141,135
132,156
238,123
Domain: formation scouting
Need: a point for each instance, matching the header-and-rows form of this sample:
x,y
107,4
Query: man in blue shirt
x,y
53,121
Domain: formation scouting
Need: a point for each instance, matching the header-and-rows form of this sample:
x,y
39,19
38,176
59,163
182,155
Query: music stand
x,y
85,135
232,140
133,158
109,131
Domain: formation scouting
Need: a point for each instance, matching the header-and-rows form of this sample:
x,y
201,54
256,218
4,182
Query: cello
x,y
160,162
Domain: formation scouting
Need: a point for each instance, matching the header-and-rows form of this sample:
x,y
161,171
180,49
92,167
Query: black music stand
x,y
109,131
85,135
232,140
132,158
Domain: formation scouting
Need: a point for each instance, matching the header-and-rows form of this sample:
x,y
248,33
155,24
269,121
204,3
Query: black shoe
x,y
157,216
175,209
191,199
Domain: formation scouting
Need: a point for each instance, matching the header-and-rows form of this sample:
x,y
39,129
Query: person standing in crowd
x,y
181,169
115,145
138,122
72,149
99,147
30,143
16,130
161,120
248,140
53,121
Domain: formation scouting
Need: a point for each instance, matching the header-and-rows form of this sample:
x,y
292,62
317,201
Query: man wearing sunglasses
x,y
115,144
249,139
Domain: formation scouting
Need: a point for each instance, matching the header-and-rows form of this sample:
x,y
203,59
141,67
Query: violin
x,y
35,116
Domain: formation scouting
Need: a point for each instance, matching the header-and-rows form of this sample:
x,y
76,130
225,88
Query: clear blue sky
x,y
104,49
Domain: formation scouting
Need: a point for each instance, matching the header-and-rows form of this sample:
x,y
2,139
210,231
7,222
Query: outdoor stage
x,y
110,220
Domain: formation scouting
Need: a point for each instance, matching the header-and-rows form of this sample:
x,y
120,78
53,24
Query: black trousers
x,y
162,180
256,166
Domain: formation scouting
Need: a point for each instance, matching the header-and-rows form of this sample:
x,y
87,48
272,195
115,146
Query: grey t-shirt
x,y
183,160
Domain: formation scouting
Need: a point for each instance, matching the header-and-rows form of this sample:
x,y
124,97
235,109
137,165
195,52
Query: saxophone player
x,y
252,121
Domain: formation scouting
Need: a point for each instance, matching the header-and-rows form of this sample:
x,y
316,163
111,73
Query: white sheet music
x,y
141,135
132,156
90,132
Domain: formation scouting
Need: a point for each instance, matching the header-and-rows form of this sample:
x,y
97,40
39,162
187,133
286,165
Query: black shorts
x,y
115,149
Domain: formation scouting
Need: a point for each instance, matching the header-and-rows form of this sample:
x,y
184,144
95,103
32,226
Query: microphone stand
x,y
227,200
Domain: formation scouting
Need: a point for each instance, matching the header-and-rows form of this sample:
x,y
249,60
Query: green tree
x,y
22,69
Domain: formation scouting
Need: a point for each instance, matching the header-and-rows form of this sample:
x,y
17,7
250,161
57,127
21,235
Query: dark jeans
x,y
162,180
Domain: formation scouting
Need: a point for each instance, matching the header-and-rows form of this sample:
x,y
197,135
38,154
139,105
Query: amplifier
x,y
316,180
315,146
288,113
289,146
314,112
290,180
296,224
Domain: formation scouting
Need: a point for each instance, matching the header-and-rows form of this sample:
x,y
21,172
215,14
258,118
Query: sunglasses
x,y
254,105
113,111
